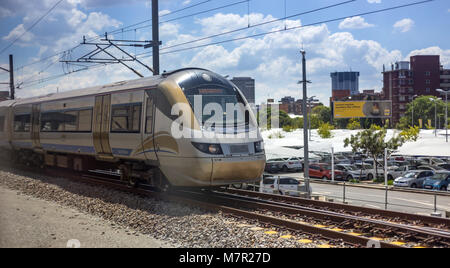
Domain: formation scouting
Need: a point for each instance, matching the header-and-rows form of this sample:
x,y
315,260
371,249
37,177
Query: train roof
x,y
146,82
96,90
6,103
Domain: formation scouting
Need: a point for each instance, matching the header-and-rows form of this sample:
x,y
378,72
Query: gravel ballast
x,y
177,225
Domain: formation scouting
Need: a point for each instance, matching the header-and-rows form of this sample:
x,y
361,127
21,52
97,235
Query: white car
x,y
282,185
393,171
288,164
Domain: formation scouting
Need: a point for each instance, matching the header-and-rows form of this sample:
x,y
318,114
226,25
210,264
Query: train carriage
x,y
129,126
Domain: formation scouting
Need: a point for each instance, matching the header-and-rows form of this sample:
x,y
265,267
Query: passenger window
x,y
126,118
68,121
52,122
2,123
85,121
149,116
22,123
71,121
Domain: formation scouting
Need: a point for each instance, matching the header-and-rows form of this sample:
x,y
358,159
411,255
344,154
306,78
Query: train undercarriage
x,y
131,172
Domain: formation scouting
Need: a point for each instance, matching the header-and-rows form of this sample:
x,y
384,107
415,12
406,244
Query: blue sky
x,y
361,44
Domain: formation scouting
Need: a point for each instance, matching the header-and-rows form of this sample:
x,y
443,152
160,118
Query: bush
x,y
354,124
411,134
289,128
276,135
324,131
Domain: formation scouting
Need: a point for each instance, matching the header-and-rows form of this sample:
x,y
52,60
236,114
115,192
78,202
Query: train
x,y
132,127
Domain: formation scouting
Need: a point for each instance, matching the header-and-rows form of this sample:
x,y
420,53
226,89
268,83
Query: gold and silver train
x,y
128,126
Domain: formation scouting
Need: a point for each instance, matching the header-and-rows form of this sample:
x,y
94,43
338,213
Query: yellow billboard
x,y
362,109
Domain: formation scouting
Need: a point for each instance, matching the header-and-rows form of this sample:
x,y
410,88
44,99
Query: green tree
x,y
372,142
323,112
354,124
324,130
424,109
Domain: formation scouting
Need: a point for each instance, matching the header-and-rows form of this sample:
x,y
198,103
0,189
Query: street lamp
x,y
435,115
446,92
412,116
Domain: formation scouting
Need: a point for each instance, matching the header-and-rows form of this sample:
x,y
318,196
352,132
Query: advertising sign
x,y
362,109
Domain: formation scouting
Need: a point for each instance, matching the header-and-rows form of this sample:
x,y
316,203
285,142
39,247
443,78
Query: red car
x,y
323,171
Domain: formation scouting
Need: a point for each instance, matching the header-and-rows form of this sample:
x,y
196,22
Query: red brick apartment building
x,y
422,75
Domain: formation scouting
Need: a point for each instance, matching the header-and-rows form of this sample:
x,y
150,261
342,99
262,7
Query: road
x,y
416,203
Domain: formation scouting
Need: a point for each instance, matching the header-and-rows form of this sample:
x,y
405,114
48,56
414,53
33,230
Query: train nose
x,y
237,169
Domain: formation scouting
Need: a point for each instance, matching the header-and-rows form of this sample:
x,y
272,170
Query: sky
x,y
356,43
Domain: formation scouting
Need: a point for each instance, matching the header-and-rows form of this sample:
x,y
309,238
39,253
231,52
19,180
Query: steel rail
x,y
421,219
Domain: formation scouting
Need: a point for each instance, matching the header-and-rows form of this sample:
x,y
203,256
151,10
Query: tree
x,y
324,130
323,112
354,124
424,109
371,142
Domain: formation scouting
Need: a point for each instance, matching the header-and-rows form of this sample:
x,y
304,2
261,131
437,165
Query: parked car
x,y
429,167
282,185
351,172
413,178
288,163
271,167
291,164
323,171
439,181
341,159
445,166
370,172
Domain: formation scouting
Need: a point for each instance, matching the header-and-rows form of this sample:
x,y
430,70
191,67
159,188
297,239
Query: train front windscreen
x,y
218,105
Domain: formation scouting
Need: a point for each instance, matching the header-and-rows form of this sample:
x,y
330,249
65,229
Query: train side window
x,y
71,121
22,123
149,116
85,121
52,122
2,123
126,118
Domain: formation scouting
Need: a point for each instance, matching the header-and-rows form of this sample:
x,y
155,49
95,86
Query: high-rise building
x,y
344,82
421,76
247,86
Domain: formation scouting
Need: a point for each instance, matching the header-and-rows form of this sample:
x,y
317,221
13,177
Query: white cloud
x,y
374,1
404,25
355,23
164,12
445,54
18,31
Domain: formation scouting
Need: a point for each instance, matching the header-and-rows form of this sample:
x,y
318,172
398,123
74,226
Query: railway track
x,y
371,213
336,226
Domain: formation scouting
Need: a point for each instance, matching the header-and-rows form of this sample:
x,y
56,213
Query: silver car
x,y
413,178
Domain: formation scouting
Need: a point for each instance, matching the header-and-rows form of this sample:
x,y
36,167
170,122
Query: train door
x,y
102,116
35,127
148,137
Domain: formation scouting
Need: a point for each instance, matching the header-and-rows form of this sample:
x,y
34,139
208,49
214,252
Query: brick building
x,y
422,75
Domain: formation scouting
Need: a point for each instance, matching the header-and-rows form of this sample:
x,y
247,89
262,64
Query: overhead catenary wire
x,y
121,30
179,18
31,27
283,30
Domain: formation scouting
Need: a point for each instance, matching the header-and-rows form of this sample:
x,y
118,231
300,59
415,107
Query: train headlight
x,y
259,147
207,148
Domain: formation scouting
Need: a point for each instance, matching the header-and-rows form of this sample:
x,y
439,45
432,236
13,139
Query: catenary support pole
x,y
305,125
155,27
11,77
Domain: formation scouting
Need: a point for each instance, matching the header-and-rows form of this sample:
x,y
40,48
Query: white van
x,y
282,185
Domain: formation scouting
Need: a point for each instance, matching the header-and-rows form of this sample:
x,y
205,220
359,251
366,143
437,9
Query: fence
x,y
427,202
